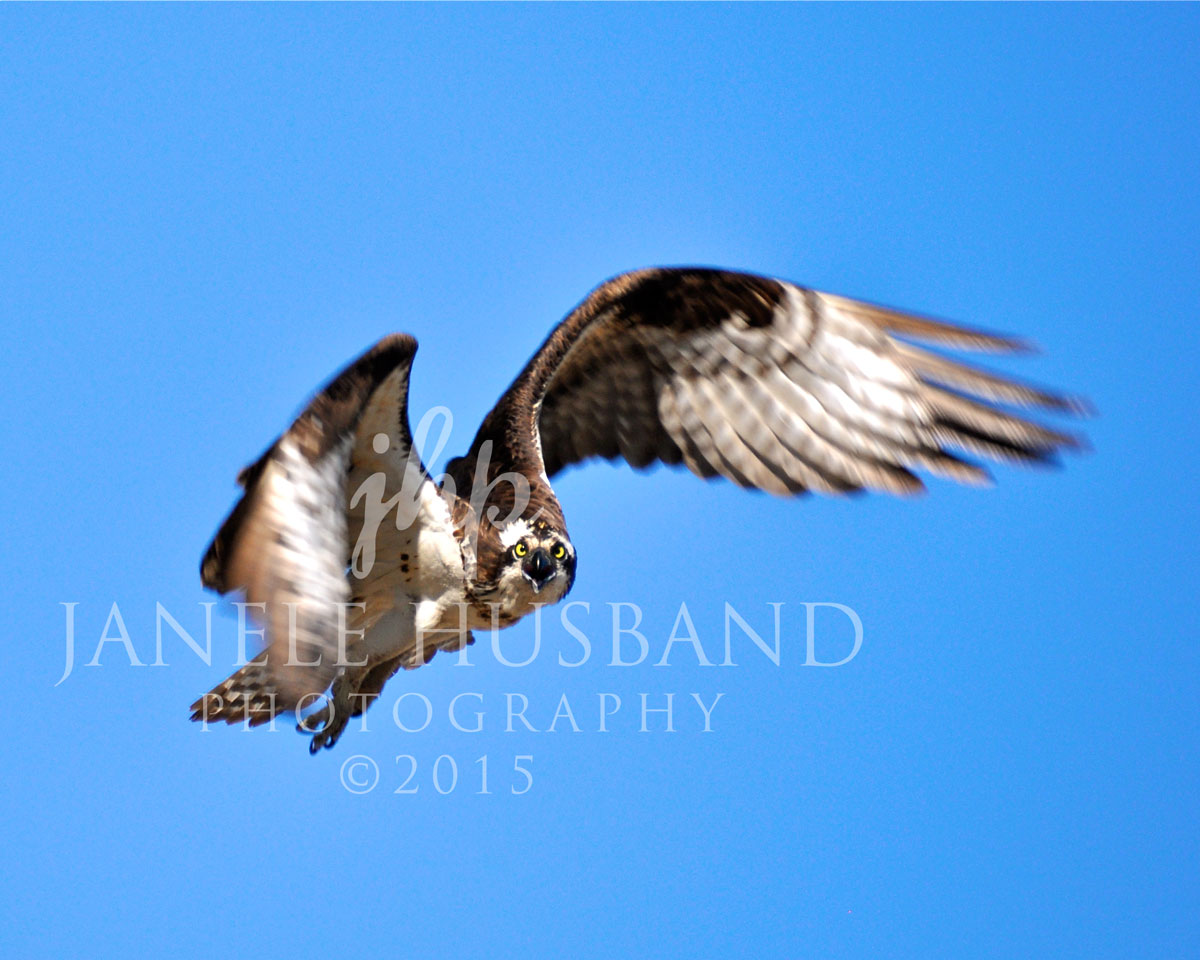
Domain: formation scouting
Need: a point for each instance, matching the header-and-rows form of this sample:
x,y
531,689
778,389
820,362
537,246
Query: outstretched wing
x,y
769,384
286,544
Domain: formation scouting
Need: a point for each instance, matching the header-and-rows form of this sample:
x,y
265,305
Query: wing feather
x,y
770,385
286,543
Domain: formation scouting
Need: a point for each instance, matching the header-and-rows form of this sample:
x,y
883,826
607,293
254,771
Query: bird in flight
x,y
768,384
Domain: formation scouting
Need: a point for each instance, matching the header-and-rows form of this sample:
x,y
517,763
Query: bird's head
x,y
537,558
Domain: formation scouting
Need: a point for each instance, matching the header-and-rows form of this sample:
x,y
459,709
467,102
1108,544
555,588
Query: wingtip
x,y
1022,346
395,341
1070,404
1078,406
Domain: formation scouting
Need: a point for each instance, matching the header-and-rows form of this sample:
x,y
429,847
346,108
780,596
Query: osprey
x,y
766,383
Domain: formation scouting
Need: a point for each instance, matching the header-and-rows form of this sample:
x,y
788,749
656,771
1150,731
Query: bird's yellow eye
x,y
559,551
520,550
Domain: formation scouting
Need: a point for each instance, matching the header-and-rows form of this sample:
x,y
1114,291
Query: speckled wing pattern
x,y
776,387
286,543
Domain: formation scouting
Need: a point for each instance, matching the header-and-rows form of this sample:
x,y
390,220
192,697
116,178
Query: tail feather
x,y
247,696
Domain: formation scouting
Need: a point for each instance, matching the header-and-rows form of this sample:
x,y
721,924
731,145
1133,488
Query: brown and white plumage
x,y
773,386
768,384
289,541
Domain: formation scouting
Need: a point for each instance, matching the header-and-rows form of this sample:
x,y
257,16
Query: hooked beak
x,y
538,569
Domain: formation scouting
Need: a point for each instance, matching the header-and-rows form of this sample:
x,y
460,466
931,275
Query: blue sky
x,y
207,210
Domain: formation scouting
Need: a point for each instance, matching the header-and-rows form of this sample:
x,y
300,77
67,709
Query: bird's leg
x,y
326,725
353,691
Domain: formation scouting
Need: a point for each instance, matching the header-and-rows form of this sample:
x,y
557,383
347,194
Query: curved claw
x,y
327,734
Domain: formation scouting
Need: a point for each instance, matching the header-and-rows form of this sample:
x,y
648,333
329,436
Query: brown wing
x,y
768,384
286,542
